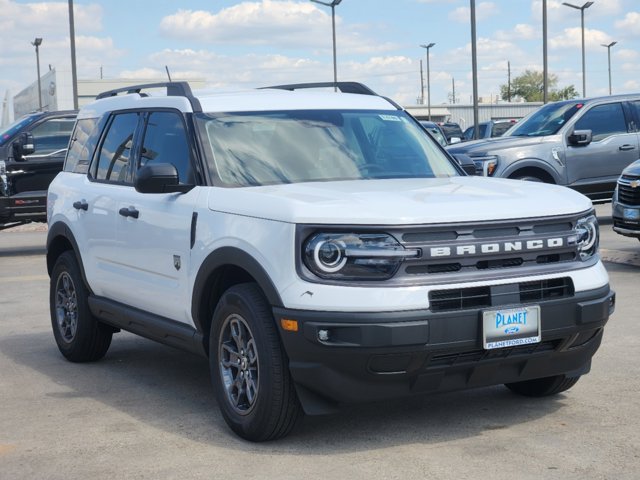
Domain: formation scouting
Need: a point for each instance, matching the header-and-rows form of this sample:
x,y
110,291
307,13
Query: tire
x,y
79,335
543,387
529,178
249,369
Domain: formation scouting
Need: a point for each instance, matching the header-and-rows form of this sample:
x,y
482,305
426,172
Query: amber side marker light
x,y
289,325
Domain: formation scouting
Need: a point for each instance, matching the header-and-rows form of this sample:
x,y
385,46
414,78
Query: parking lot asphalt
x,y
147,411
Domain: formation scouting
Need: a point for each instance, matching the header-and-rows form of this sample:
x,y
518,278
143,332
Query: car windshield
x,y
9,131
266,148
547,120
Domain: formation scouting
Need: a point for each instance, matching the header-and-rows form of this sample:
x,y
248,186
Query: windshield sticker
x,y
390,118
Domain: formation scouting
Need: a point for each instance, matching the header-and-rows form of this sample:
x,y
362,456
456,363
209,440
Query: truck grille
x,y
628,194
482,247
483,297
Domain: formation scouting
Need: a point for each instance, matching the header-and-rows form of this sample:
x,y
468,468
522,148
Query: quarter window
x,y
603,121
83,142
115,153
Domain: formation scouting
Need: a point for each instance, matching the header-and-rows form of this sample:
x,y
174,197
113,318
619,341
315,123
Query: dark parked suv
x,y
32,151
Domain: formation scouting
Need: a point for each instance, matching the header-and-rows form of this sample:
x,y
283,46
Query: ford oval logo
x,y
511,330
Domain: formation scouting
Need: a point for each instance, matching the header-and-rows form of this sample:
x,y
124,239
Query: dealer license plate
x,y
511,326
631,214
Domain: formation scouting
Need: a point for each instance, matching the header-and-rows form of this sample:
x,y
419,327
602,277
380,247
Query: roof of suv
x,y
267,99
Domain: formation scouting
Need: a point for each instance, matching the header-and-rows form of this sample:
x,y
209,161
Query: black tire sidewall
x,y
83,346
246,301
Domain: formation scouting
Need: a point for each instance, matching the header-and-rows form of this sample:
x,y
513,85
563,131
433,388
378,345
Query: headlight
x,y
354,256
587,236
486,165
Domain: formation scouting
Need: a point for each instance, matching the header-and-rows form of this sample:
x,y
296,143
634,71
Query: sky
x,y
246,44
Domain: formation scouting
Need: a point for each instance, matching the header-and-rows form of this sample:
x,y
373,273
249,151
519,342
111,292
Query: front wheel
x,y
543,387
249,369
79,335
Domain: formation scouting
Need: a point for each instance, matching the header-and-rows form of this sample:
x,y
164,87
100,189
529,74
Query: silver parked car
x,y
626,202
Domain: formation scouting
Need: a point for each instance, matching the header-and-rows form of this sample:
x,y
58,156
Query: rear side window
x,y
603,121
115,152
83,142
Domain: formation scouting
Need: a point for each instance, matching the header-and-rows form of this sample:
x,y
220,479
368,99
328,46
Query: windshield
x,y
547,120
266,148
9,131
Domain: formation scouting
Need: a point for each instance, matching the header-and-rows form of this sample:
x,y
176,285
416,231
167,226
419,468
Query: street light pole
x,y
36,43
333,5
609,60
545,69
474,69
74,75
428,47
582,9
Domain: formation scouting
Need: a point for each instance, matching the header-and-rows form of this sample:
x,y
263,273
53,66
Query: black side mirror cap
x,y
23,146
466,163
580,137
159,178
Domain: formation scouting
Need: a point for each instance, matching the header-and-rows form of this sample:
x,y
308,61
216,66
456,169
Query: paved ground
x,y
147,411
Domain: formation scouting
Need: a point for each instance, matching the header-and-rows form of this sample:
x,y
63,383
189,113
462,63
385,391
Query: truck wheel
x,y
529,178
79,335
543,387
249,369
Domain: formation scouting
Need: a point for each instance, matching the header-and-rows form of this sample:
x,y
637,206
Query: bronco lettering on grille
x,y
495,247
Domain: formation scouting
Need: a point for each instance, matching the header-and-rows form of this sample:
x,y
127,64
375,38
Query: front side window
x,y
265,148
603,121
52,135
115,153
165,141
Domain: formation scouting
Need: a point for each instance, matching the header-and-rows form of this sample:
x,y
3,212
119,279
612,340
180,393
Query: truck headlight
x,y
354,256
486,165
587,236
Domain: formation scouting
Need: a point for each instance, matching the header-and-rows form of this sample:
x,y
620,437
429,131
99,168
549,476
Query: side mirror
x,y
23,146
455,140
580,137
159,178
466,163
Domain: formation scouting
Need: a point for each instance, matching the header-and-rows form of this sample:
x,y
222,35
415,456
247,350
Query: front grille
x,y
626,193
626,226
546,289
474,356
483,297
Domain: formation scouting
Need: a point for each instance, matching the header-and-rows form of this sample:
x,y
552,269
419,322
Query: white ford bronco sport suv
x,y
318,248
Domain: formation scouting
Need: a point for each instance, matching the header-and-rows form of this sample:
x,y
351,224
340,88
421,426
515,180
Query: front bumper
x,y
376,356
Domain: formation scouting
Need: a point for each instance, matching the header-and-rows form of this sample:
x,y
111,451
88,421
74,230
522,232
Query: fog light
x,y
323,335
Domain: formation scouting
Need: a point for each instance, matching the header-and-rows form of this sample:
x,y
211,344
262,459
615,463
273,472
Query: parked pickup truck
x,y
582,144
32,151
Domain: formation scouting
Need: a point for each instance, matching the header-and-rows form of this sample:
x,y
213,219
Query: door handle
x,y
81,205
624,148
129,212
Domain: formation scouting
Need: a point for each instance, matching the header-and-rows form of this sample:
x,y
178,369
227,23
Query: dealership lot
x,y
147,411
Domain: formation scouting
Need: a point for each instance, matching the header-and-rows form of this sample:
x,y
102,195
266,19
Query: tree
x,y
530,87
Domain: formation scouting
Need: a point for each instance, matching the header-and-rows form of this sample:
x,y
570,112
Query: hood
x,y
633,169
400,201
492,144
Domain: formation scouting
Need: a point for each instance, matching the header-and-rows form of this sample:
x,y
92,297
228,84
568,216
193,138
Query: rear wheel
x,y
543,387
249,369
79,335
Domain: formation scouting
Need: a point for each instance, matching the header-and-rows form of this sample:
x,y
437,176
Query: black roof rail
x,y
174,89
344,87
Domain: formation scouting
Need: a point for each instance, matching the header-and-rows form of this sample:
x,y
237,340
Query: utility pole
x,y
453,87
474,68
421,84
545,70
509,82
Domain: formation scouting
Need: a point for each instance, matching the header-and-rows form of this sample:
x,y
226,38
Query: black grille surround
x,y
469,251
627,193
